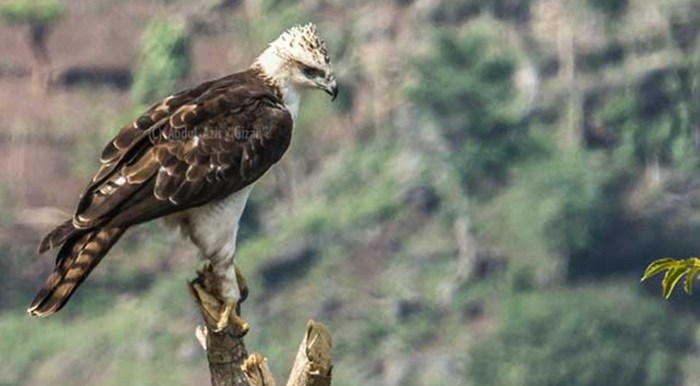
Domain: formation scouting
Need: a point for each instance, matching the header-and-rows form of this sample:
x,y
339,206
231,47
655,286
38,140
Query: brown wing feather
x,y
130,134
195,154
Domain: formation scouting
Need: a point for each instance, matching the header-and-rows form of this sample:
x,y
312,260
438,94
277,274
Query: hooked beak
x,y
331,89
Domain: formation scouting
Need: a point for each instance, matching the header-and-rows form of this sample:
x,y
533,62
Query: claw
x,y
242,285
230,318
242,288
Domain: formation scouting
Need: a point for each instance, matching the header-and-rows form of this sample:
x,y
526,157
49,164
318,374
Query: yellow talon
x,y
230,318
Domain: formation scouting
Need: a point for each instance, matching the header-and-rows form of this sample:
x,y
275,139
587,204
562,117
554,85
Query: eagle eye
x,y
311,72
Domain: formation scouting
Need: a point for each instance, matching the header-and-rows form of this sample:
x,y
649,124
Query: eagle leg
x,y
219,311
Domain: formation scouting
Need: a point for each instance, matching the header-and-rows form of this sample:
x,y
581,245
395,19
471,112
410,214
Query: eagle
x,y
191,159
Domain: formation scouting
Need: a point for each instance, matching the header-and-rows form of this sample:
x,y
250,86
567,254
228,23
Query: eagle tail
x,y
76,259
59,235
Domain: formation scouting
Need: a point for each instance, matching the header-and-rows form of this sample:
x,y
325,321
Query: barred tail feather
x,y
76,259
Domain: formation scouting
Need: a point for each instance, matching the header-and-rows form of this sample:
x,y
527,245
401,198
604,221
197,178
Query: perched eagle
x,y
192,159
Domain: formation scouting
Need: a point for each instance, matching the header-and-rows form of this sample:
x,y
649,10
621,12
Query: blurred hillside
x,y
476,208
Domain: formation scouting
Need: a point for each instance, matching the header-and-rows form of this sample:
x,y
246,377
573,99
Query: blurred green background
x,y
475,209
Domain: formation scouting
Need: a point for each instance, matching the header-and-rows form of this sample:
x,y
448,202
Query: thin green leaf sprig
x,y
674,270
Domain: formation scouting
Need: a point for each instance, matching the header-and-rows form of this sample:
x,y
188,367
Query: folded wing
x,y
185,153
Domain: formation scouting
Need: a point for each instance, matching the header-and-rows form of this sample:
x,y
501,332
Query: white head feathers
x,y
301,43
297,60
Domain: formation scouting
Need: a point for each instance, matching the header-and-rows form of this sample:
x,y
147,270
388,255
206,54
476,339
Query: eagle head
x,y
298,59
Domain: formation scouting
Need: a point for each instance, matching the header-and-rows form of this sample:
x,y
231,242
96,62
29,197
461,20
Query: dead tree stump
x,y
230,364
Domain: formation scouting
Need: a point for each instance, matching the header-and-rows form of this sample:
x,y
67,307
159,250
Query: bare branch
x,y
312,366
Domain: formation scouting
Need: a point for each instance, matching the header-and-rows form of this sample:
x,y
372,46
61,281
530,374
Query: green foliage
x,y
164,60
456,10
360,188
614,8
590,336
271,5
652,122
675,270
552,206
281,15
133,341
466,86
39,12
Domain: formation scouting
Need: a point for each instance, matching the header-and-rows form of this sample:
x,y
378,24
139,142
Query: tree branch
x,y
312,365
229,362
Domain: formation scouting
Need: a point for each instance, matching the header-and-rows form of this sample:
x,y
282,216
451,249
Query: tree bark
x,y
229,362
312,365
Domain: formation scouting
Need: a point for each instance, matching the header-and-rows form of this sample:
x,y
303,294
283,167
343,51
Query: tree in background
x,y
39,16
653,123
164,60
590,336
466,86
455,11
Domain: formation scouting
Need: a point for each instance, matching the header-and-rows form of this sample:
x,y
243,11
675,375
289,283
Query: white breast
x,y
214,226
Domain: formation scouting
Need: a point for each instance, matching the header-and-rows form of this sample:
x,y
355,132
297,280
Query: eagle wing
x,y
192,148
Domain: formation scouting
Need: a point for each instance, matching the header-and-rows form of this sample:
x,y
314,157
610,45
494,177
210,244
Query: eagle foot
x,y
218,314
230,317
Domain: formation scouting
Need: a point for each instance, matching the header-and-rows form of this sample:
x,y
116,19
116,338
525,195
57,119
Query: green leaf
x,y
688,285
672,277
675,269
693,266
659,266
